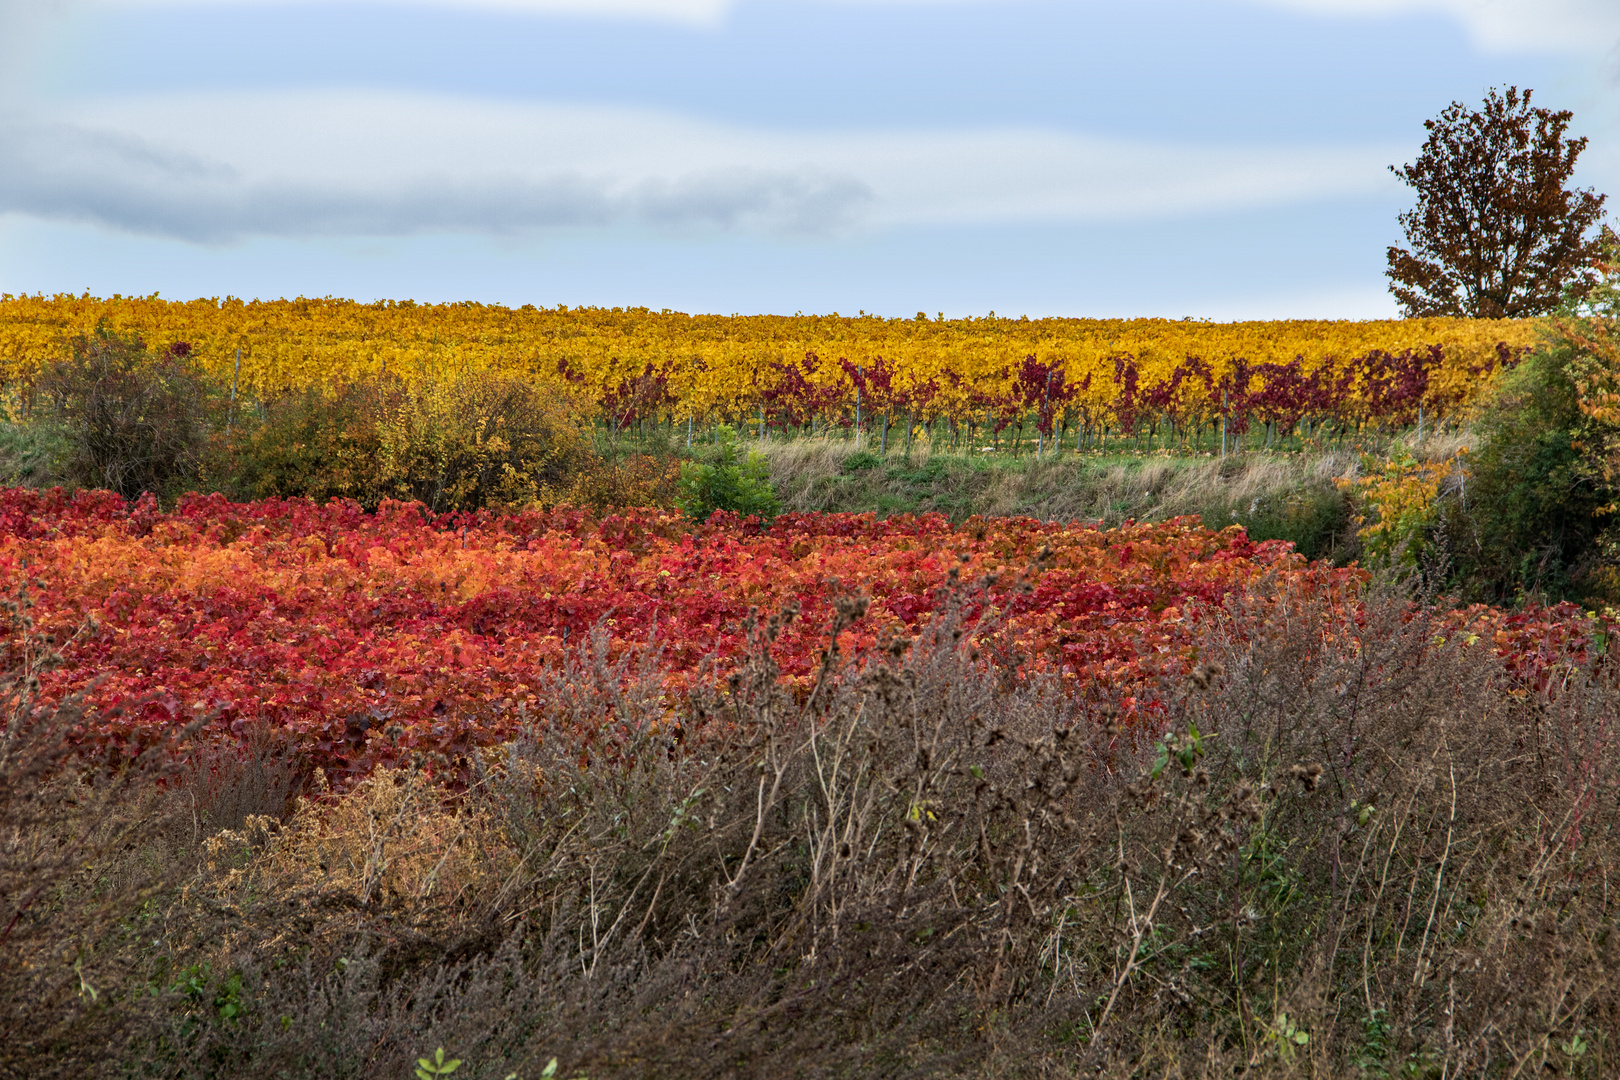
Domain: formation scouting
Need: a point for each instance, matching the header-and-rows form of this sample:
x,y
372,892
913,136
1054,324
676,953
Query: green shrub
x,y
728,480
1537,517
1527,520
1315,518
317,444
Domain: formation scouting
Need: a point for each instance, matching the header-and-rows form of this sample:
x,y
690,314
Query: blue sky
x,y
1213,158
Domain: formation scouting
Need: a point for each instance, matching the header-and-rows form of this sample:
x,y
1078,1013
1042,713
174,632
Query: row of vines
x,y
1059,379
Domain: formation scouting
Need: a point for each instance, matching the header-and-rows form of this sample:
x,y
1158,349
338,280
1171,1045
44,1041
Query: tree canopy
x,y
1497,232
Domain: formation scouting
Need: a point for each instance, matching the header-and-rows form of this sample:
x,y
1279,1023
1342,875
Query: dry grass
x,y
1354,848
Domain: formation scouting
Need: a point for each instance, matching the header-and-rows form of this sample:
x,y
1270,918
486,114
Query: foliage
x,y
373,638
1496,233
1401,496
401,636
133,422
1315,518
607,483
1058,381
1538,514
1529,517
32,454
428,1068
728,479
465,443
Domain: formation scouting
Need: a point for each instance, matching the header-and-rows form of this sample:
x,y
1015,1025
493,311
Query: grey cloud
x,y
70,173
740,198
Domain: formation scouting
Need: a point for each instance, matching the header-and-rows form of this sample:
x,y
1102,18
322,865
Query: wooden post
x,y
857,408
1046,399
1223,423
230,415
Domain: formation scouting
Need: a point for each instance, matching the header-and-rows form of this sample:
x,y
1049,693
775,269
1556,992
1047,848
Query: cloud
x,y
65,172
1582,26
24,26
695,12
215,168
698,12
1579,26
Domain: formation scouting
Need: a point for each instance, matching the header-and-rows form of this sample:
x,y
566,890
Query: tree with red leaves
x,y
1496,232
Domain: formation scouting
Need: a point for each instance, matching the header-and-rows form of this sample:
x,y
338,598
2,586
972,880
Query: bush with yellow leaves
x,y
461,443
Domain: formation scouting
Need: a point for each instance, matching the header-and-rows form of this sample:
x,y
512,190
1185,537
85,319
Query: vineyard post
x,y
1420,423
1046,399
230,415
689,431
1223,423
857,408
762,427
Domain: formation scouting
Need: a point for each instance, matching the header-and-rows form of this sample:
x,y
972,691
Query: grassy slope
x,y
1291,497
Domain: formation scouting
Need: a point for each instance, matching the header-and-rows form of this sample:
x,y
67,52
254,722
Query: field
x,y
386,744
374,638
1077,381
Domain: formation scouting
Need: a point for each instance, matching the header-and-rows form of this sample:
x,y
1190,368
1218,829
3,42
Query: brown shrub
x,y
608,483
1355,847
133,421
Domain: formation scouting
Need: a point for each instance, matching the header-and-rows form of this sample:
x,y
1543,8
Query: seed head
x,y
1308,775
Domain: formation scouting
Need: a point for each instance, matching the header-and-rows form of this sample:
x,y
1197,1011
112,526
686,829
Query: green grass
x,y
1276,496
31,455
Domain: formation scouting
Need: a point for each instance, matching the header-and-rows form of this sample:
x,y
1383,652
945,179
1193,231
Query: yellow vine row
x,y
712,366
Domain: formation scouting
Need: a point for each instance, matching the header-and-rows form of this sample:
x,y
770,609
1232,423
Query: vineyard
x,y
1055,382
386,750
374,639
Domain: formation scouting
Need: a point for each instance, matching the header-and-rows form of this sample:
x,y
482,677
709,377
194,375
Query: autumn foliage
x,y
1062,378
380,638
1496,232
370,637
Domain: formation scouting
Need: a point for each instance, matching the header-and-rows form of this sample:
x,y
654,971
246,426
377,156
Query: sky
x,y
1218,159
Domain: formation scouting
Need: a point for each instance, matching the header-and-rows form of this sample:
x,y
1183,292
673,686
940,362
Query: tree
x,y
1496,232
